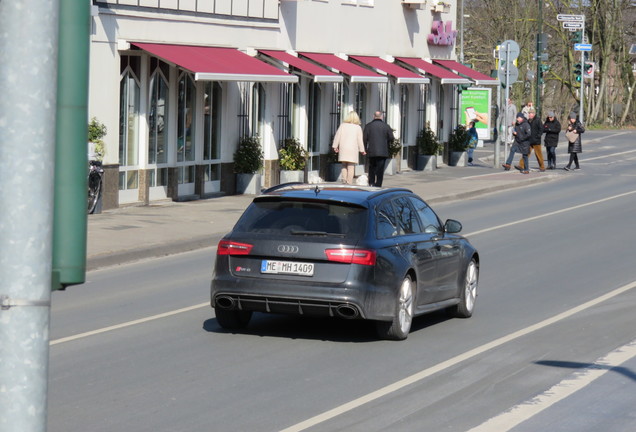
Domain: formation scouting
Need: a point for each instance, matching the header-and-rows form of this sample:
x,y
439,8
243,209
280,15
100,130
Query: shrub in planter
x,y
96,131
427,143
458,140
395,147
292,156
248,157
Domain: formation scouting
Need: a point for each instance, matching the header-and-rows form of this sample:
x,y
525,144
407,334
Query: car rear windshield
x,y
303,218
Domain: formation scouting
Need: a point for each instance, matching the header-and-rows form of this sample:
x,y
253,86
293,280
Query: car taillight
x,y
227,247
352,256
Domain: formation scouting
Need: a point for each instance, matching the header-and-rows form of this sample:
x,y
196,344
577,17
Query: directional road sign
x,y
572,25
564,17
582,47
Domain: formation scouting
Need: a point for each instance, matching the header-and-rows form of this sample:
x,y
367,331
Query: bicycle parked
x,y
95,173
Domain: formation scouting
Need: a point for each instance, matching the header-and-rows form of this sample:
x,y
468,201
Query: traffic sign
x,y
565,17
511,70
572,25
508,51
582,47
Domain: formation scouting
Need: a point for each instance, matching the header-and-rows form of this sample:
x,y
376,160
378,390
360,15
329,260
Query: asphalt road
x,y
137,347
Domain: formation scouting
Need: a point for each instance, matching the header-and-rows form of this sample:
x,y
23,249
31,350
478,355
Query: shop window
x,y
212,120
404,113
129,94
360,104
185,117
157,118
314,117
158,177
258,109
212,172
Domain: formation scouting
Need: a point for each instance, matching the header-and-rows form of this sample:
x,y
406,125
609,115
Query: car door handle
x,y
414,248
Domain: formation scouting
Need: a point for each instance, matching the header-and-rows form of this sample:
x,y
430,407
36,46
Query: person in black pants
x,y
376,137
573,134
551,129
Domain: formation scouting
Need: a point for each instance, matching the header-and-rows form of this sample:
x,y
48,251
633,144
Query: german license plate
x,y
287,267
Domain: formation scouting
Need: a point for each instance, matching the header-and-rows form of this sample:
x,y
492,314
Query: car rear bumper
x,y
351,302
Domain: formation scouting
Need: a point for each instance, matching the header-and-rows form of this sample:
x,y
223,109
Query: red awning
x,y
446,76
478,77
403,76
218,64
320,74
357,73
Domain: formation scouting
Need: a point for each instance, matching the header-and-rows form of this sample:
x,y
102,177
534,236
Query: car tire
x,y
232,319
400,326
468,293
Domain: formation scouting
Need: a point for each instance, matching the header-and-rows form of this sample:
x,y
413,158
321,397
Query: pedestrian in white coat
x,y
348,143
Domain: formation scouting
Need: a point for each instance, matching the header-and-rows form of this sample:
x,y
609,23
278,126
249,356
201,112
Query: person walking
x,y
510,119
573,134
536,130
377,136
522,142
526,108
551,129
473,139
347,143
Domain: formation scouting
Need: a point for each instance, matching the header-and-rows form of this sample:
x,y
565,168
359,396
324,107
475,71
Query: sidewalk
x,y
134,233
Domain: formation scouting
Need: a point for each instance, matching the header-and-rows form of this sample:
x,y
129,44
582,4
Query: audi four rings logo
x,y
289,249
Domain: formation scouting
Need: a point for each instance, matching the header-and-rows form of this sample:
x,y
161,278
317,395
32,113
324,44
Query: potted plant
x,y
96,131
428,148
292,159
248,161
335,167
457,145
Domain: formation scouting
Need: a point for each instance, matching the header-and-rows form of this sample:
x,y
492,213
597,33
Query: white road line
x,y
522,412
419,376
127,324
485,230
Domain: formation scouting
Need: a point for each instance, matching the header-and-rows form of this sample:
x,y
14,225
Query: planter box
x,y
391,167
426,163
248,184
457,159
334,172
292,176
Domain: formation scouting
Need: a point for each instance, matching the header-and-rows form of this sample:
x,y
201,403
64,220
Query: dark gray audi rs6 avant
x,y
343,251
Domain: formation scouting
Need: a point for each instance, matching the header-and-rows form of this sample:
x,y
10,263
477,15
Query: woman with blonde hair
x,y
347,143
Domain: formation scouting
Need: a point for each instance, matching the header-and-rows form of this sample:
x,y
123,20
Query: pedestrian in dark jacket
x,y
521,133
536,130
551,129
573,134
377,136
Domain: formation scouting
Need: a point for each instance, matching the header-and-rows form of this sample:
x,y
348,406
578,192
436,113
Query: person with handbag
x,y
573,134
551,129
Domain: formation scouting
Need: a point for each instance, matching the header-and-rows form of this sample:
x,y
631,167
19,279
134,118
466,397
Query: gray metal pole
x,y
461,34
582,72
28,71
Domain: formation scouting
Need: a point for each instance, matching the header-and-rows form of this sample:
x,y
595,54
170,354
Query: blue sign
x,y
582,47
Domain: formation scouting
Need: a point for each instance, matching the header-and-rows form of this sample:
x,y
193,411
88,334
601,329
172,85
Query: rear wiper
x,y
315,233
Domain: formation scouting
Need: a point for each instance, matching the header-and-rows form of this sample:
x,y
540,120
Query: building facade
x,y
179,82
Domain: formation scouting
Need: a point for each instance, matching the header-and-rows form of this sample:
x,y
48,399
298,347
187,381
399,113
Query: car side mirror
x,y
452,226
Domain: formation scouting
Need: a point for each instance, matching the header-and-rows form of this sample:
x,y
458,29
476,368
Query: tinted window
x,y
301,217
406,216
386,221
427,216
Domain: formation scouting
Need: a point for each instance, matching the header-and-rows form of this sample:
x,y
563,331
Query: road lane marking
x,y
127,324
576,207
419,376
522,412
